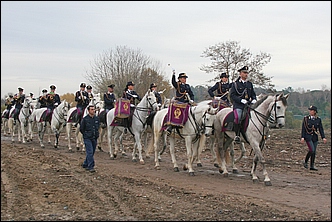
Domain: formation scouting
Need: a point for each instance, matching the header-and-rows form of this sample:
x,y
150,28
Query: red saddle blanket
x,y
177,114
122,108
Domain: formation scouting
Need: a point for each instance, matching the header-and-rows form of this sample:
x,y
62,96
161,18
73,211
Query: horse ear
x,y
286,96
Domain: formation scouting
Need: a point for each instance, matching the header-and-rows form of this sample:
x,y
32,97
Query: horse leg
x,y
122,149
192,152
267,180
213,151
202,141
110,141
172,152
68,130
253,169
116,140
41,131
24,137
139,147
156,136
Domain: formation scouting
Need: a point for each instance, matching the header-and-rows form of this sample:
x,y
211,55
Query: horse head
x,y
279,110
151,100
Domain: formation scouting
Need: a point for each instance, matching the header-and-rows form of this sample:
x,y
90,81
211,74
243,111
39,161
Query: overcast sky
x,y
44,43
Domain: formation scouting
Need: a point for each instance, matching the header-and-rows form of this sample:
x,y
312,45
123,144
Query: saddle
x,y
74,116
228,124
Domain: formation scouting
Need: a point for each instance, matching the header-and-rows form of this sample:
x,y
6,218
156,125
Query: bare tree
x,y
229,57
122,65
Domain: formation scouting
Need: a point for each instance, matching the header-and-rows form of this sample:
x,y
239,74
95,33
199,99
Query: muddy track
x,y
50,184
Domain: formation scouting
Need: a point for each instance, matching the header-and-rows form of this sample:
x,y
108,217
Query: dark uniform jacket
x,y
128,94
90,96
43,101
109,100
18,102
79,98
9,103
182,90
159,100
240,90
309,128
89,127
221,88
51,99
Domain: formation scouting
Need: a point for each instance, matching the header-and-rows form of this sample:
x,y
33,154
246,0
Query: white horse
x,y
69,126
22,123
58,121
256,130
34,118
147,104
191,132
4,122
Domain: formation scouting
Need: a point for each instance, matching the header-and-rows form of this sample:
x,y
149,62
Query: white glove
x,y
159,104
191,101
56,104
253,101
244,101
218,98
173,72
84,97
160,92
79,97
135,96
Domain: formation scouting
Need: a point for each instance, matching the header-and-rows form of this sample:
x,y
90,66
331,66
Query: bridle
x,y
148,109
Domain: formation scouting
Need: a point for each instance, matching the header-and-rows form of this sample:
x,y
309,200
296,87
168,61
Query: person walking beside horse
x,y
310,125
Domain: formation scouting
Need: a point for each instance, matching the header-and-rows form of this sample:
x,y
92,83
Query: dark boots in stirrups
x,y
305,163
312,161
237,128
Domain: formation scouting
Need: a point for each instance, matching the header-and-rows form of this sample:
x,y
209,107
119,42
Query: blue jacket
x,y
241,91
221,88
128,95
109,100
310,127
89,127
182,90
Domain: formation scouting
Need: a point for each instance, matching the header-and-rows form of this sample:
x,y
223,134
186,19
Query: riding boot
x,y
312,162
169,129
237,128
305,163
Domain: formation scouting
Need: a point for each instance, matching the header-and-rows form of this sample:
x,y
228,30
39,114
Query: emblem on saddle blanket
x,y
177,114
228,124
122,108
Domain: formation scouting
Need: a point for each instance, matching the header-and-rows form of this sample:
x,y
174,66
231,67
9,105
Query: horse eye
x,y
149,98
278,107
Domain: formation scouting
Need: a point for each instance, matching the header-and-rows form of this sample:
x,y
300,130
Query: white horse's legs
x,y
172,152
139,148
155,139
68,130
192,154
110,141
41,132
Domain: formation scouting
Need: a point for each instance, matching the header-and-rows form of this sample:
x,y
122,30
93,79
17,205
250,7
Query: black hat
x,y
20,89
182,75
82,84
152,85
130,83
313,108
224,75
10,96
52,87
244,69
111,86
31,94
44,91
89,87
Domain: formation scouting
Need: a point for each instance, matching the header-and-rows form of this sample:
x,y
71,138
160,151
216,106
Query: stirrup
x,y
237,139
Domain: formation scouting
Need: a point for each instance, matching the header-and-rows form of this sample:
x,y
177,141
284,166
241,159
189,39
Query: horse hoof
x,y
185,167
221,171
49,142
134,160
255,181
159,160
267,183
141,162
157,167
216,165
191,174
124,154
176,169
55,146
70,151
77,148
100,149
112,158
199,165
235,171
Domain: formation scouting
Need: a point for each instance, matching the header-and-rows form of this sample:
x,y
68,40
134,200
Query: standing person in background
x,y
310,125
242,93
89,128
82,99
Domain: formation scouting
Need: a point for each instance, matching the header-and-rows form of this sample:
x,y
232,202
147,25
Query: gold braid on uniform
x,y
307,129
178,89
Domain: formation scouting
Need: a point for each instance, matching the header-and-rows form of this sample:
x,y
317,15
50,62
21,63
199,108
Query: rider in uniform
x,y
182,89
153,88
52,101
109,100
89,91
131,94
42,100
82,99
222,87
18,101
9,104
242,93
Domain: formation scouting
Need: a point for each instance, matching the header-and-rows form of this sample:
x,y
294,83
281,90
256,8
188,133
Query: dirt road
x,y
49,184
